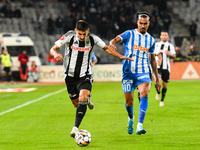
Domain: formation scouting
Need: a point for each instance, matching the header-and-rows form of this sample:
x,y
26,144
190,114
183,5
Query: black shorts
x,y
164,74
75,85
7,69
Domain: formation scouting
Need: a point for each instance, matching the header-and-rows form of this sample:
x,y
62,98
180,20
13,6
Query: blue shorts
x,y
131,81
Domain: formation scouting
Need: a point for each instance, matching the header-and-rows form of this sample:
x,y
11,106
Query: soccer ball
x,y
83,138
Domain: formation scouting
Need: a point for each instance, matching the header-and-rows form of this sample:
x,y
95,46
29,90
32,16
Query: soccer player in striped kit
x,y
165,50
138,43
76,66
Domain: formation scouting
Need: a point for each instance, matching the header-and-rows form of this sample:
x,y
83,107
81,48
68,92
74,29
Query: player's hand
x,y
166,52
158,86
113,47
58,58
124,57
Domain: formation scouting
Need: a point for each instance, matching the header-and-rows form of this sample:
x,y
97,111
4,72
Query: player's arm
x,y
159,59
170,55
114,41
54,53
113,52
154,67
94,62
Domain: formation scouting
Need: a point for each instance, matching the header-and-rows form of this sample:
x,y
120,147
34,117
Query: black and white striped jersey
x,y
159,48
76,62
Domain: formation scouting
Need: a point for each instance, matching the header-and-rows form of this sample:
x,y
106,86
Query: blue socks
x,y
129,111
142,109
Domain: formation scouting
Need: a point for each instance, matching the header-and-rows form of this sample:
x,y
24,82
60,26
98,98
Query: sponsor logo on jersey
x,y
62,38
136,47
81,48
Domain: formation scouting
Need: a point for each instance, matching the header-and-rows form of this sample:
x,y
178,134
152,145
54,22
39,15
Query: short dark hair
x,y
143,15
82,25
164,31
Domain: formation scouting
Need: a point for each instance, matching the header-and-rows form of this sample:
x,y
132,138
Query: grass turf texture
x,y
46,124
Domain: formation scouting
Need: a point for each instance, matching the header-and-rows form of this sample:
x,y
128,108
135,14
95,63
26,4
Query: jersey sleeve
x,y
157,49
152,48
64,39
99,42
172,50
124,36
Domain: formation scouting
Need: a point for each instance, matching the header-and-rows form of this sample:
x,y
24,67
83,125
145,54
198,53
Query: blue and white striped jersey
x,y
137,46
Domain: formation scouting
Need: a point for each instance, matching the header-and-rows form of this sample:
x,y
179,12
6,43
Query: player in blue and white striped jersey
x,y
138,43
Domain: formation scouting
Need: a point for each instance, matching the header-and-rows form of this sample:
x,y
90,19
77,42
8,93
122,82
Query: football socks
x,y
164,90
142,109
80,113
129,111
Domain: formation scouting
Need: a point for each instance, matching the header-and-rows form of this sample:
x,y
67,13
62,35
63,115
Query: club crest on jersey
x,y
141,48
81,48
62,38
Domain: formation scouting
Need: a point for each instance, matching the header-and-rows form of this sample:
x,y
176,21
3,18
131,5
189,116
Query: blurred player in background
x,y
94,59
165,50
138,43
6,61
76,66
23,58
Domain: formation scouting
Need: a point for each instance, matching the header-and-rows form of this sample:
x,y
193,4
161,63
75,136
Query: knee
x,y
144,93
129,102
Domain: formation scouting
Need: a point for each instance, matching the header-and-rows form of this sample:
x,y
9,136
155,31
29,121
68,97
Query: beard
x,y
143,31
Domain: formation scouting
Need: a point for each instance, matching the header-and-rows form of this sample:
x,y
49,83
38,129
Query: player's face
x,y
82,34
164,36
4,52
143,25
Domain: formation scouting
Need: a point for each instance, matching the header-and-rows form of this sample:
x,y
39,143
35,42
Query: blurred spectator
x,y
37,20
23,58
50,25
161,25
6,61
193,31
28,3
17,13
33,72
166,20
179,56
68,22
50,59
7,11
193,55
103,28
59,24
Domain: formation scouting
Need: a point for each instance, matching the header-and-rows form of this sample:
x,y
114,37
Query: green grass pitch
x,y
46,123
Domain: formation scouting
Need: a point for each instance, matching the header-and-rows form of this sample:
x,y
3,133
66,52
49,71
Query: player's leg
x,y
10,76
158,92
129,109
164,90
165,79
127,86
74,96
84,87
144,89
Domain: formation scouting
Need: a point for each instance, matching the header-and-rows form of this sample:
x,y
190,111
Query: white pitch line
x,y
30,102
